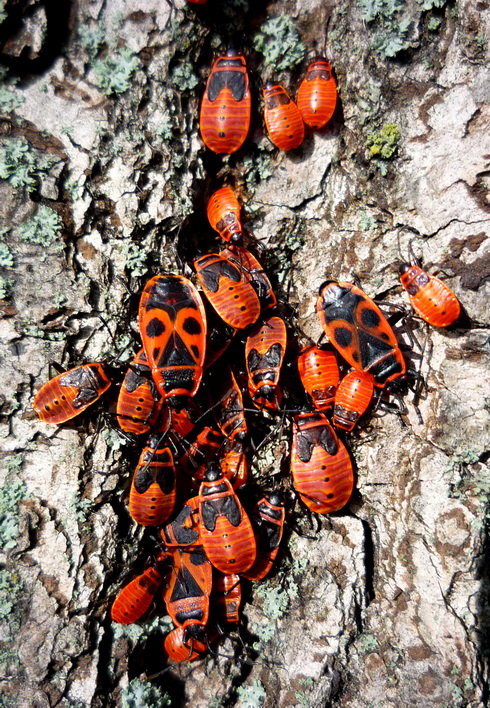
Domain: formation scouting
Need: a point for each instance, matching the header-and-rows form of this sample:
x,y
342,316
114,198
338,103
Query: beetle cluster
x,y
226,105
196,457
211,541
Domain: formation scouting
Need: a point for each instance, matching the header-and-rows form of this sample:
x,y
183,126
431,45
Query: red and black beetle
x,y
226,104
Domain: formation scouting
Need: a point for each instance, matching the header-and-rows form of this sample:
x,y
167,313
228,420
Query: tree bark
x,y
384,603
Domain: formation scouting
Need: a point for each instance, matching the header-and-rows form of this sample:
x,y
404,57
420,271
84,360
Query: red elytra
x,y
202,448
234,463
219,336
227,594
223,212
254,273
138,402
320,376
359,331
352,399
226,104
186,644
186,595
430,297
180,423
134,600
269,515
229,414
226,532
172,324
264,353
184,530
283,120
317,94
320,464
69,394
153,489
228,290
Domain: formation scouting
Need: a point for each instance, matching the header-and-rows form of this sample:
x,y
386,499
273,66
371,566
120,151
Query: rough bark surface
x,y
384,603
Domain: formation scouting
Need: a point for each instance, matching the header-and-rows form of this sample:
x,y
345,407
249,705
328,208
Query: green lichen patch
x,y
12,600
165,129
367,222
142,694
279,43
384,143
114,72
23,166
136,632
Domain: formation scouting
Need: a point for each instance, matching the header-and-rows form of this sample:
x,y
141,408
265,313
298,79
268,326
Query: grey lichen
x,y
12,492
10,99
431,4
391,25
279,42
142,694
113,74
136,258
6,285
91,39
28,328
251,695
395,23
21,165
273,600
183,77
140,632
257,168
43,228
7,259
10,591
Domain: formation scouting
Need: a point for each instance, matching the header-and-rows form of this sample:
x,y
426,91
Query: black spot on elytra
x,y
370,318
195,350
192,326
343,336
155,327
